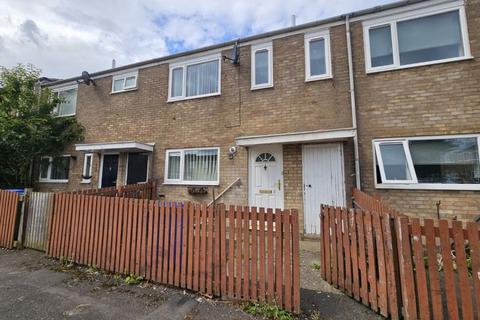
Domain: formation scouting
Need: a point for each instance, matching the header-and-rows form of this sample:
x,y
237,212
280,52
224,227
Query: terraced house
x,y
385,99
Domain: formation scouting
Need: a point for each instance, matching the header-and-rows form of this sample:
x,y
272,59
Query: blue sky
x,y
63,37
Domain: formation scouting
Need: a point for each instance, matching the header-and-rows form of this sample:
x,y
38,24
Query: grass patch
x,y
267,311
315,265
133,279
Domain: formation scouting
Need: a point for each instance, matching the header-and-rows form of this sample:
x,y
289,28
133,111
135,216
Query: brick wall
x,y
439,99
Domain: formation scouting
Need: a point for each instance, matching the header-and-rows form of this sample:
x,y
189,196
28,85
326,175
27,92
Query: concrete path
x,y
35,287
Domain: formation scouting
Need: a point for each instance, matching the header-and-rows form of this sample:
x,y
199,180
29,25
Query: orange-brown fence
x,y
357,257
8,212
401,266
139,191
241,253
364,201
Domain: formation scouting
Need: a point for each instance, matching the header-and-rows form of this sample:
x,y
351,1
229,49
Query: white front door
x,y
324,181
266,176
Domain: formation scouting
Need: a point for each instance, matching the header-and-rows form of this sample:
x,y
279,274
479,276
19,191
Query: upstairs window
x,y
426,38
69,105
124,82
317,56
194,78
54,169
192,166
431,163
262,66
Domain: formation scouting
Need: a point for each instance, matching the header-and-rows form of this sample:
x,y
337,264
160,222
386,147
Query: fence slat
x,y
287,256
210,253
392,270
270,258
196,265
296,261
231,251
372,263
473,238
333,231
452,305
406,269
362,257
433,275
261,249
339,240
421,279
246,253
223,250
382,274
191,228
346,248
461,261
203,249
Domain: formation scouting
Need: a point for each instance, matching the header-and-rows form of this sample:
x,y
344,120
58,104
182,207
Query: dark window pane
x,y
44,163
381,46
430,38
60,166
446,160
137,168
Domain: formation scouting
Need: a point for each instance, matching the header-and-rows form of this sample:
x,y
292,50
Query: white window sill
x,y
428,186
86,181
317,78
263,86
415,65
65,115
192,183
52,181
193,97
125,90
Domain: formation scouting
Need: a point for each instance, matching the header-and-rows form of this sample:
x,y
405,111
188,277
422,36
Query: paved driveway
x,y
35,287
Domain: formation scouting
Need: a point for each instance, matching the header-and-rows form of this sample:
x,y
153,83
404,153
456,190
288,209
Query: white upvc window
x,y
195,78
421,37
124,82
68,107
318,64
87,168
199,166
438,162
262,66
54,169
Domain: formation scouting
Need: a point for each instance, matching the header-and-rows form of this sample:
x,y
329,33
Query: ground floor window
x,y
54,169
192,166
437,162
137,168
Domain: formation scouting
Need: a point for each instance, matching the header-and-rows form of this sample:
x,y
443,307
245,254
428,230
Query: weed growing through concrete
x,y
267,311
315,265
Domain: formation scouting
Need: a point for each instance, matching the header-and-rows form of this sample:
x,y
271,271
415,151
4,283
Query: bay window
x,y
406,40
450,162
194,78
54,169
192,166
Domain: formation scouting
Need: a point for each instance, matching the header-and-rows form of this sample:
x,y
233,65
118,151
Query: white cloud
x,y
65,37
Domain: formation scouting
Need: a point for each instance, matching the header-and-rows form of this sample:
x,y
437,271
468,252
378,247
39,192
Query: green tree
x,y
29,128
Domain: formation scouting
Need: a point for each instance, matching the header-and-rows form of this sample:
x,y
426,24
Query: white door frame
x,y
304,147
251,161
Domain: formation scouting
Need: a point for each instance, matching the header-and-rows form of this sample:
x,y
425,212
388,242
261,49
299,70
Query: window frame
x,y
62,89
393,20
88,174
149,155
325,35
49,171
254,49
184,65
124,76
181,180
415,184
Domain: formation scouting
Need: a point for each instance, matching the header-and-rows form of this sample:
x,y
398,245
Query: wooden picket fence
x,y
139,191
401,266
241,253
8,212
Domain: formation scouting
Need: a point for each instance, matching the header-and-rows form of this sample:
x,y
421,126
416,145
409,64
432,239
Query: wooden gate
x,y
8,212
39,210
